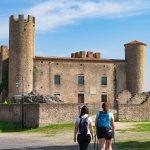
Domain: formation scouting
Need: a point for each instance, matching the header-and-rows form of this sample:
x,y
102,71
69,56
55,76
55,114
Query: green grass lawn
x,y
139,127
50,129
133,145
10,127
16,127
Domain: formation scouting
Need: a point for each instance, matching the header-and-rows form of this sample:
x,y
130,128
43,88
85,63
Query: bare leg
x,y
108,144
102,143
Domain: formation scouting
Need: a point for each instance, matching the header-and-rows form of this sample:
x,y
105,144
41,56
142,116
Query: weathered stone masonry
x,y
120,81
35,115
133,106
28,72
21,54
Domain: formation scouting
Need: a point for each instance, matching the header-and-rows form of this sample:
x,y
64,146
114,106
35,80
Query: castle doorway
x,y
80,98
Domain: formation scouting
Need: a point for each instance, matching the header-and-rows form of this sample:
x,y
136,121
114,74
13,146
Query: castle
x,y
83,78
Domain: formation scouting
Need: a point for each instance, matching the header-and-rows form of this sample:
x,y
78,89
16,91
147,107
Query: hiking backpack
x,y
83,126
103,119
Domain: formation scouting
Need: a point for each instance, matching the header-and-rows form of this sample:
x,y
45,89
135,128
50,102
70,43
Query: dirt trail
x,y
15,141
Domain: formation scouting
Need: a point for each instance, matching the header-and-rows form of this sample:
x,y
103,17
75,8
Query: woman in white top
x,y
83,131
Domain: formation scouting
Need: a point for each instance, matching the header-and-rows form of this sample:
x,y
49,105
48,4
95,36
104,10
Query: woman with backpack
x,y
83,131
104,124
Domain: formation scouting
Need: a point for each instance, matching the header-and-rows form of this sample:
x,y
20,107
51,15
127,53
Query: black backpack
x,y
83,126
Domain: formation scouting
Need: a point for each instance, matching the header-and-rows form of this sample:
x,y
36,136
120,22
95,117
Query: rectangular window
x,y
57,79
104,98
103,80
80,98
80,80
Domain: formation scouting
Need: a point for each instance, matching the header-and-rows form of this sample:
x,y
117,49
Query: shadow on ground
x,y
68,147
134,145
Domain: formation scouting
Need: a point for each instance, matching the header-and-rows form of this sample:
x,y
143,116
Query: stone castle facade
x,y
83,78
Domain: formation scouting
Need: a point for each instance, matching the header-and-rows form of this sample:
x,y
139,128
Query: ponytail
x,y
84,110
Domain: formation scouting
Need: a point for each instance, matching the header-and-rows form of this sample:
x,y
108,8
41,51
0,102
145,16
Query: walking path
x,y
16,141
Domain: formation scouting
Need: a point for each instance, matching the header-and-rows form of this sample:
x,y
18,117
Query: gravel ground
x,y
16,141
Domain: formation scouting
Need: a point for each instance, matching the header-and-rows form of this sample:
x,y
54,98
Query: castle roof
x,y
79,59
135,43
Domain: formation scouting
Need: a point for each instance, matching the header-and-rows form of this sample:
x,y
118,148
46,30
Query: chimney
x,y
89,54
82,54
97,55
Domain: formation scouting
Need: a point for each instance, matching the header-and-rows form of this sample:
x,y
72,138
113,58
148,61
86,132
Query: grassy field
x,y
10,127
133,145
139,127
50,129
138,141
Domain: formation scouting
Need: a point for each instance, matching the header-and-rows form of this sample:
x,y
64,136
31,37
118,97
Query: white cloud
x,y
52,14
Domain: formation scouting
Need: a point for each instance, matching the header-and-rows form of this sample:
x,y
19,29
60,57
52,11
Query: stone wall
x,y
134,112
45,70
35,115
120,78
126,97
134,107
57,113
31,115
10,113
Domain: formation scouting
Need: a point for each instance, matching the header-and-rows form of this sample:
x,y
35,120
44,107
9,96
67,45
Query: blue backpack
x,y
103,119
83,126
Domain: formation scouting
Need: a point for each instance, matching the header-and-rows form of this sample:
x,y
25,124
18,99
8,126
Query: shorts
x,y
104,132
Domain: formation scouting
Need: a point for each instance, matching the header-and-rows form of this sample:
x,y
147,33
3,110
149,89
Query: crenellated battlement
x,y
4,52
21,18
3,47
84,54
31,19
12,18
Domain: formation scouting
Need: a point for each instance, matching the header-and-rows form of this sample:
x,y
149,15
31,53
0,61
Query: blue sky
x,y
65,26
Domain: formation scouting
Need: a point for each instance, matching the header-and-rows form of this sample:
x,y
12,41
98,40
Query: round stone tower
x,y
22,45
135,55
